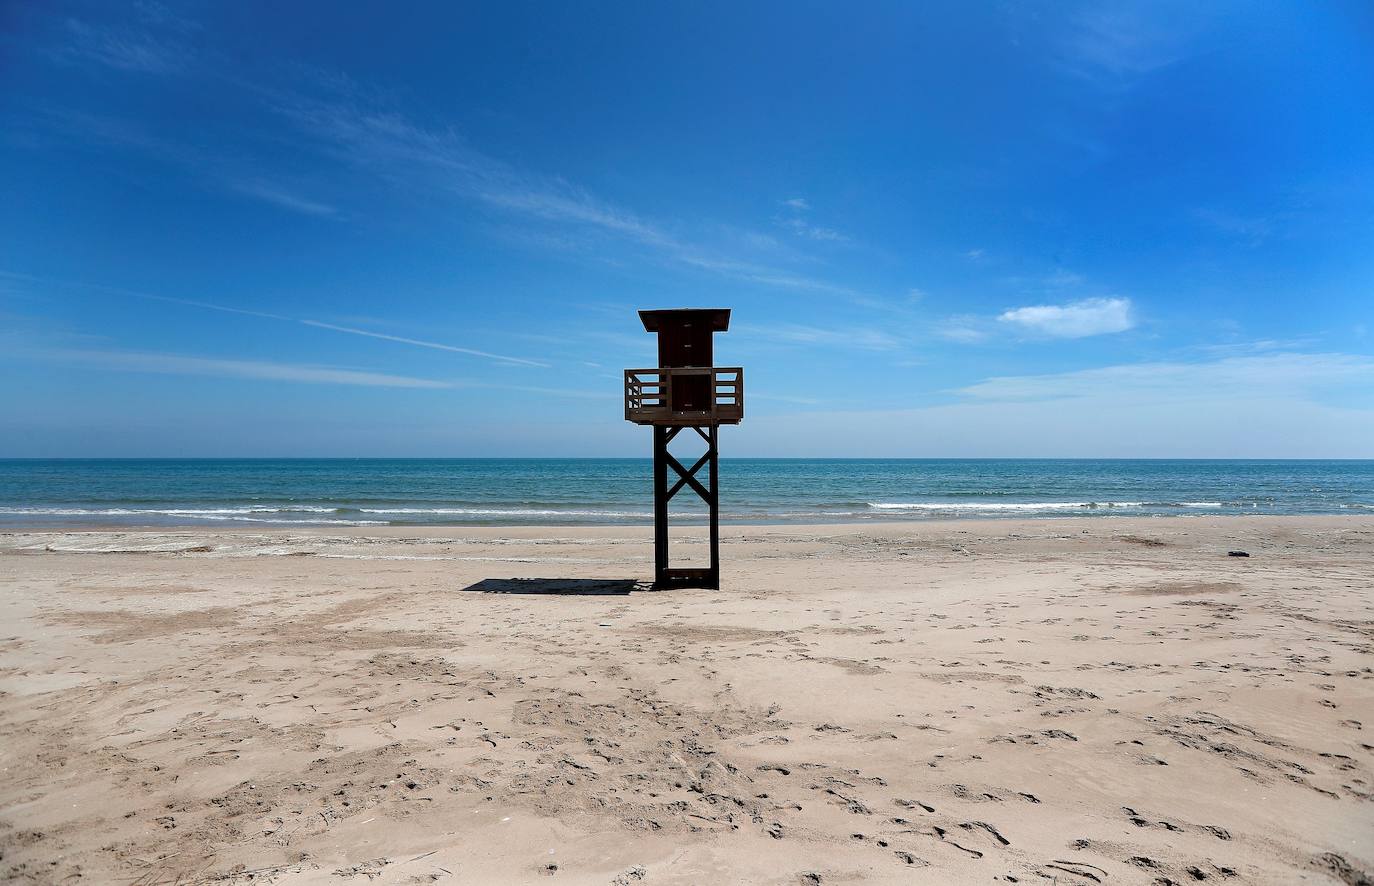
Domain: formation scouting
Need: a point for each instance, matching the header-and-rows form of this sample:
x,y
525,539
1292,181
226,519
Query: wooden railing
x,y
696,395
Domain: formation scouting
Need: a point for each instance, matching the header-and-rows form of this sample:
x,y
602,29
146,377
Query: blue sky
x,y
959,229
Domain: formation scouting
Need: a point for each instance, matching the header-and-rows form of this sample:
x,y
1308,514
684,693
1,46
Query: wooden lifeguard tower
x,y
685,391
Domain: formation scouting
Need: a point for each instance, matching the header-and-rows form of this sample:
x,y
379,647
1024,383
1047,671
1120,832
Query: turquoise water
x,y
365,492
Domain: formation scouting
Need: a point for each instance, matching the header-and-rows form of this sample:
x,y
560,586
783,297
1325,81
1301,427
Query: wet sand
x,y
1069,701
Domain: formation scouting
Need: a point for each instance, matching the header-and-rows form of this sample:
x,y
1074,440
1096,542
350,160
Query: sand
x,y
1069,701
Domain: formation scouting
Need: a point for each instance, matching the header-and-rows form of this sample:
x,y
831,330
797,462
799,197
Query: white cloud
x,y
798,203
1093,316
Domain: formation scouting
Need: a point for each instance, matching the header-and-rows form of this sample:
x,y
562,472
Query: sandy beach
x,y
1068,701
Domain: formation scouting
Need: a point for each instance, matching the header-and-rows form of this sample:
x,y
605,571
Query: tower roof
x,y
719,318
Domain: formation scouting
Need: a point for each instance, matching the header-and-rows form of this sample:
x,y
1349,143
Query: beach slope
x,y
1074,701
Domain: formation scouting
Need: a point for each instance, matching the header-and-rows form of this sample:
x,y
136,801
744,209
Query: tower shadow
x,y
572,587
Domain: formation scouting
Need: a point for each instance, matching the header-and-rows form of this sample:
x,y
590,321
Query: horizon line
x,y
190,458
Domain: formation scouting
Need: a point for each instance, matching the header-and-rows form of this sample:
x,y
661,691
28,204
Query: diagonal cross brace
x,y
686,476
707,490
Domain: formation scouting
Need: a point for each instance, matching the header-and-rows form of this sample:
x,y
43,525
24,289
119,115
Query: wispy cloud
x,y
122,49
794,219
803,228
274,194
350,127
268,370
861,338
1093,316
180,364
152,42
752,273
1257,346
1230,378
963,330
1063,278
610,392
392,146
359,127
1253,228
1278,406
783,398
1282,405
204,165
1114,45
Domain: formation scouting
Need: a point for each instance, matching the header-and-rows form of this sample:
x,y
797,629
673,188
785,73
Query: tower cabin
x,y
685,389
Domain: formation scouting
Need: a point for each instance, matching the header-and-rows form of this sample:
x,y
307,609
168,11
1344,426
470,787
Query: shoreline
x,y
877,523
628,534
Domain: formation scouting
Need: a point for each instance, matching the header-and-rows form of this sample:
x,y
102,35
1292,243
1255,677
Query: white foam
x,y
507,512
170,512
1042,505
999,506
299,522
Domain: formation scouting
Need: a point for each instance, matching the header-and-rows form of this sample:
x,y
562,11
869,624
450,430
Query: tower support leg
x,y
664,575
714,578
660,504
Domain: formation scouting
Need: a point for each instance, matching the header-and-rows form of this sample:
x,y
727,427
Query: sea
x,y
500,492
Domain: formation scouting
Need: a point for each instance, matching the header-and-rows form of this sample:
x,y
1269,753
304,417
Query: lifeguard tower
x,y
685,391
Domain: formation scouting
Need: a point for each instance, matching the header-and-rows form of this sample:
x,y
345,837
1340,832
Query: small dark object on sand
x,y
1237,554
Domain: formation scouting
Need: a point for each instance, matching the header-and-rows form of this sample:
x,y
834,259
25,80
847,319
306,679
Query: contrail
x,y
425,344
